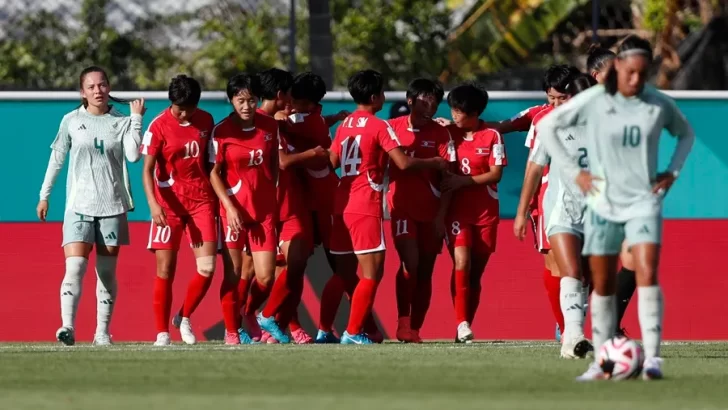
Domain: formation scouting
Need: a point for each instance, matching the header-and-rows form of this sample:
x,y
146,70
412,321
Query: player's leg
x,y
644,238
248,290
430,246
483,242
566,246
550,275
404,232
626,284
460,238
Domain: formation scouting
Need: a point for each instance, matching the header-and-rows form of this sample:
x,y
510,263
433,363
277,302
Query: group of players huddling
x,y
260,188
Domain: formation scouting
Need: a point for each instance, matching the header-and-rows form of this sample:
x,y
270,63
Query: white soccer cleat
x,y
594,372
575,347
163,339
66,335
465,335
652,368
102,339
185,330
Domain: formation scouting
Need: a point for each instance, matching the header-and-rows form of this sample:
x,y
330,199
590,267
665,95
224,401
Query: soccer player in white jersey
x,y
563,206
98,195
622,120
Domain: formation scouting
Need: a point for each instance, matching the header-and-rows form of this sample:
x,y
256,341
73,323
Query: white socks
x,y
71,288
649,310
604,319
572,307
105,291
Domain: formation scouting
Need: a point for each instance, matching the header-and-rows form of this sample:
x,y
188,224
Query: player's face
x,y
302,106
556,98
245,104
463,120
183,113
631,74
96,89
378,101
423,107
283,102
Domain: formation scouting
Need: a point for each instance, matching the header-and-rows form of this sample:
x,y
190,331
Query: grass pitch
x,y
512,375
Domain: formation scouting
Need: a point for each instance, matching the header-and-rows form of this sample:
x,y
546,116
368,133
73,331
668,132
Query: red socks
x,y
330,301
404,287
229,303
258,295
421,302
553,290
243,287
195,293
361,305
162,303
280,293
473,302
461,295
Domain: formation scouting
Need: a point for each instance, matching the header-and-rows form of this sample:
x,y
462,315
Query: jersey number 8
x,y
465,166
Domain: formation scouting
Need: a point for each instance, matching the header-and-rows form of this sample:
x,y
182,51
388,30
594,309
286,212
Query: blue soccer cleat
x,y
245,338
360,339
557,333
323,337
269,325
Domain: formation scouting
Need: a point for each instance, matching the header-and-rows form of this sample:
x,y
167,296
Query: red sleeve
x,y
216,146
522,121
446,145
387,137
324,138
153,140
497,149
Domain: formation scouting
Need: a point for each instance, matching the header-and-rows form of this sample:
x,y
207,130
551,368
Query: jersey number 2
x,y
351,159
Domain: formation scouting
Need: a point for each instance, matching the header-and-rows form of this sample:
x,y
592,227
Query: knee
x,y
265,280
646,275
75,267
165,269
206,265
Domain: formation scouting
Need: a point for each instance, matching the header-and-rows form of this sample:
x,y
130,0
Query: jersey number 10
x,y
632,136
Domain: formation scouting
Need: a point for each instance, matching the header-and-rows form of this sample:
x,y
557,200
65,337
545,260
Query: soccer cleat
x,y
163,339
465,335
575,348
652,368
266,338
300,337
594,372
66,335
416,336
360,339
324,337
232,338
404,331
557,333
269,325
253,327
376,337
244,337
185,330
102,339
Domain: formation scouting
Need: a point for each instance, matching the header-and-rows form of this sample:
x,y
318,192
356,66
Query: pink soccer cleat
x,y
267,338
253,327
300,337
415,334
232,338
404,332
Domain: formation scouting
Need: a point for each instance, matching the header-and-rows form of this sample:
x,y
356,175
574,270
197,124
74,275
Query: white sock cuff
x,y
649,292
571,284
76,265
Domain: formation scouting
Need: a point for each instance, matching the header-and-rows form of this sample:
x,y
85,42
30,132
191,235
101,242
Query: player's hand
x,y
439,227
585,180
452,182
137,107
42,210
320,152
519,227
233,218
664,183
341,115
158,215
281,116
443,121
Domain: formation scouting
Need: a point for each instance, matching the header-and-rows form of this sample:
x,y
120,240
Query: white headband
x,y
633,51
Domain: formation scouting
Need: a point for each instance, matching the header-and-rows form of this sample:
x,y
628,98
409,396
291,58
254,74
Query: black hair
x,y
580,83
470,98
243,82
364,85
399,109
272,81
598,58
631,45
425,87
558,77
97,69
184,91
308,86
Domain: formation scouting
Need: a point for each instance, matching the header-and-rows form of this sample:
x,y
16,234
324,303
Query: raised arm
x,y
132,138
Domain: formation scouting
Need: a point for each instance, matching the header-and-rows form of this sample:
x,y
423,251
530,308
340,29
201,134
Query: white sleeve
x,y
679,127
539,155
132,138
55,165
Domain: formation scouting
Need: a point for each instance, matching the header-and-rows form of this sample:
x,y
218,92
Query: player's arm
x,y
287,160
330,120
158,216
132,137
534,171
405,162
59,150
680,128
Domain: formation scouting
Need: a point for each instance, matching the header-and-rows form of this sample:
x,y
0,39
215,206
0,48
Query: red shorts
x,y
406,228
359,234
255,236
480,238
540,240
322,222
199,225
294,228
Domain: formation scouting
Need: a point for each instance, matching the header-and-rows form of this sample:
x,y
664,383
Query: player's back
x,y
362,142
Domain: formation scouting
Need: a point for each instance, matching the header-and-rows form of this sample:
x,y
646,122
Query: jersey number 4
x,y
99,145
351,158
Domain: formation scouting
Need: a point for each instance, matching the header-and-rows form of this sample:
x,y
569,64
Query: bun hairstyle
x,y
580,83
598,58
96,69
630,46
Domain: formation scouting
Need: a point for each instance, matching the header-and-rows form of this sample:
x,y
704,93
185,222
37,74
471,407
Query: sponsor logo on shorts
x,y
110,236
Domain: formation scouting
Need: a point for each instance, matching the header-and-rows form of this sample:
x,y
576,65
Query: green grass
x,y
391,376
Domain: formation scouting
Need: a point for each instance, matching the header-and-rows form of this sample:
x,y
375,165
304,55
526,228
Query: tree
x,y
320,40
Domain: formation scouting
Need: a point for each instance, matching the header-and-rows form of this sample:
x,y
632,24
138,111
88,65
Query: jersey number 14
x,y
351,158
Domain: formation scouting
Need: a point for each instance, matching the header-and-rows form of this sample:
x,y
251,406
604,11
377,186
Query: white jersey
x,y
98,179
621,137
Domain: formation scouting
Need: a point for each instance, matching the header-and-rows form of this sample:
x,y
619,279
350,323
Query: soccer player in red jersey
x,y
181,200
417,210
244,177
362,147
473,216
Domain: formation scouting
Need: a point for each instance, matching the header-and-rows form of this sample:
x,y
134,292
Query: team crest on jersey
x,y
361,122
203,134
428,144
482,151
267,137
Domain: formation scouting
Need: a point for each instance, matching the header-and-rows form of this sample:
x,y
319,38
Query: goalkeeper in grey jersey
x,y
98,195
622,121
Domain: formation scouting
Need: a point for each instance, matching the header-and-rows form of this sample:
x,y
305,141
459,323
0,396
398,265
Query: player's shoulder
x,y
542,114
72,115
203,117
487,134
113,112
266,123
222,127
398,122
652,95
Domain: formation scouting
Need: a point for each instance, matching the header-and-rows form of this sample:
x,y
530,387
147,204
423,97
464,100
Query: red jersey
x,y
291,196
522,121
181,175
362,143
530,143
477,204
306,131
249,157
416,193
